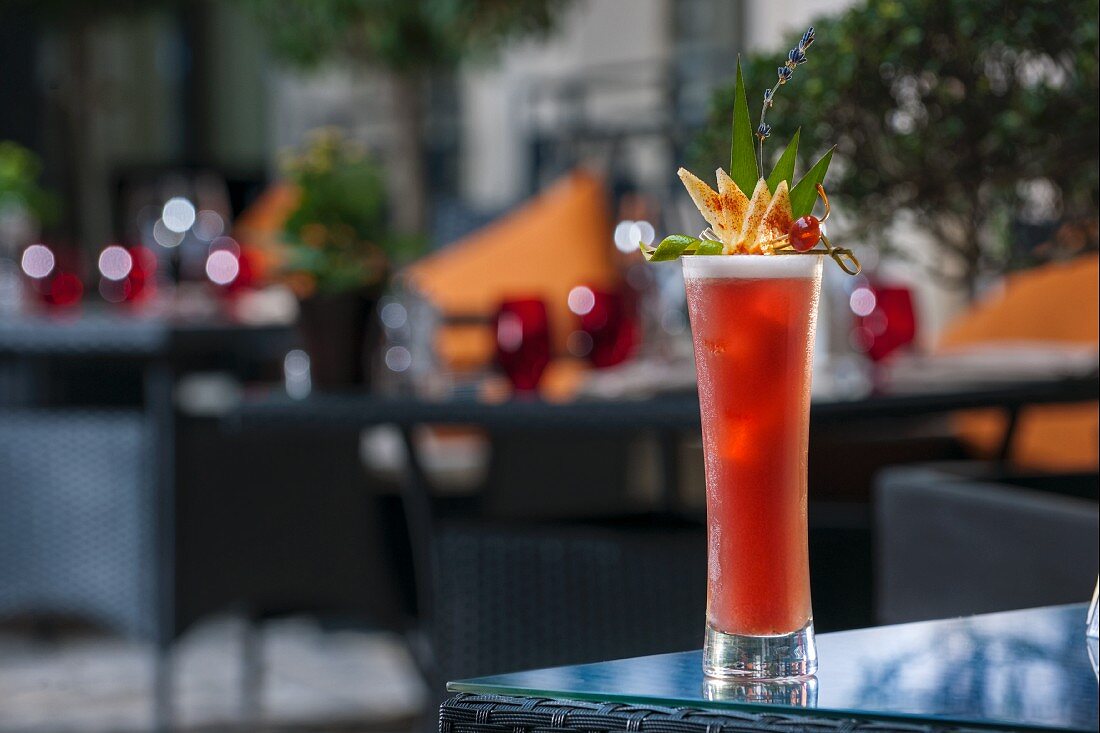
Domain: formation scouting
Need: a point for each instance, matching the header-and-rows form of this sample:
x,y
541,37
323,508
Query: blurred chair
x,y
76,524
580,473
270,523
957,539
277,522
91,443
1055,303
515,595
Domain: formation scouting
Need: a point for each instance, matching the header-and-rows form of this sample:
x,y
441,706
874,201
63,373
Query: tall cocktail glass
x,y
753,319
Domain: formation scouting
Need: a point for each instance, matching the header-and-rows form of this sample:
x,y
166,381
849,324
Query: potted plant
x,y
339,253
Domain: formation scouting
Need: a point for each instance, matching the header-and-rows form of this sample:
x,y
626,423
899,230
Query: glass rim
x,y
754,266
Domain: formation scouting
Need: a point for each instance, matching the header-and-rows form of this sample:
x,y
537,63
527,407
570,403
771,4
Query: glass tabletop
x,y
1019,669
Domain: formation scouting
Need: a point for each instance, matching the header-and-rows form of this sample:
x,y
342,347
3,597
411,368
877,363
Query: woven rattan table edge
x,y
484,713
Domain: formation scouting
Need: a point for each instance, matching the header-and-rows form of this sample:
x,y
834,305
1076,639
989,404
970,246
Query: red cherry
x,y
805,233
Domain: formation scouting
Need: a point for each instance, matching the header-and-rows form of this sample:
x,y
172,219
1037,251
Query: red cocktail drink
x,y
752,320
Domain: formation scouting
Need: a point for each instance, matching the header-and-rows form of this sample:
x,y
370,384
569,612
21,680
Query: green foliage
x,y
804,193
338,234
784,167
19,171
743,168
399,35
944,109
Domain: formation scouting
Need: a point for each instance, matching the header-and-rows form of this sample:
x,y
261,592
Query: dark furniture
x,y
469,573
995,540
839,532
76,517
88,479
1018,670
672,411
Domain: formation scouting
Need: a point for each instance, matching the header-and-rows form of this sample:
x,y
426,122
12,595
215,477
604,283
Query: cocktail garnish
x,y
805,233
777,217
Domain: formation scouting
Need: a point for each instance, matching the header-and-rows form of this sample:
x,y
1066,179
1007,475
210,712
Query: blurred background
x,y
330,369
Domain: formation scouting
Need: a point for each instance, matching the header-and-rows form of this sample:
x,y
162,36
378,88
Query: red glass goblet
x,y
608,318
523,341
886,319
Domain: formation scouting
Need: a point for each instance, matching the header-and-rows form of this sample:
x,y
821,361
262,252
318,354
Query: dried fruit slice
x,y
737,203
758,205
710,204
777,220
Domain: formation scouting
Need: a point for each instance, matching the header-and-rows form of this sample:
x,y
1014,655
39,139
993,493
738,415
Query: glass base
x,y
798,692
765,657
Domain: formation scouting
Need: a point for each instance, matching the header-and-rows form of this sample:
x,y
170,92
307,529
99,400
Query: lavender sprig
x,y
795,57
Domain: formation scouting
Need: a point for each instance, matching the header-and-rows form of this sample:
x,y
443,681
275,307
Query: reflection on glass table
x,y
1017,669
795,693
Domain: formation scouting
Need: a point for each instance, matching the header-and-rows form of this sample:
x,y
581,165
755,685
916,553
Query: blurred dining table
x,y
670,412
668,416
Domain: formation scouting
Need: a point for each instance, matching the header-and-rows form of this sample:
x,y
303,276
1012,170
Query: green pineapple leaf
x,y
784,167
743,168
804,194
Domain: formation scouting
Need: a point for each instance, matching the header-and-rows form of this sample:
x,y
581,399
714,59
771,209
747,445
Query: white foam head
x,y
751,266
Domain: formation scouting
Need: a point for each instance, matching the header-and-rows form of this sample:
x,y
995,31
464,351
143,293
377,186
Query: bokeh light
x,y
579,343
862,301
861,338
115,263
115,291
164,236
208,225
38,261
629,234
296,364
296,374
622,236
178,214
398,358
394,315
227,244
581,300
222,267
641,232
